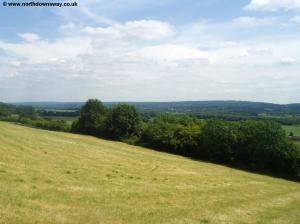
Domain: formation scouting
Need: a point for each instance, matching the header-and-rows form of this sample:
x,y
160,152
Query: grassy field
x,y
69,120
293,128
50,177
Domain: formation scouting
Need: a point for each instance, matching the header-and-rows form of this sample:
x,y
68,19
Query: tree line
x,y
259,145
28,116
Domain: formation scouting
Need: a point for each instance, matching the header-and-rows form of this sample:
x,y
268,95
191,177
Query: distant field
x,y
292,128
50,177
60,110
69,120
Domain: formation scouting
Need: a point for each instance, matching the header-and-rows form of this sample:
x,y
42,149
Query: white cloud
x,y
171,52
288,61
296,19
29,37
253,21
143,29
148,60
118,40
273,5
87,12
15,63
44,51
260,50
149,29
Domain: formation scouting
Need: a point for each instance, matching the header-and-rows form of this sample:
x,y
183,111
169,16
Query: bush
x,y
48,124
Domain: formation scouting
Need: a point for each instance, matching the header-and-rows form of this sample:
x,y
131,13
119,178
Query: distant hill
x,y
52,105
253,108
15,109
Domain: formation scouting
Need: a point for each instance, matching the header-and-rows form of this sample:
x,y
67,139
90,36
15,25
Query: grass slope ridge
x,y
50,177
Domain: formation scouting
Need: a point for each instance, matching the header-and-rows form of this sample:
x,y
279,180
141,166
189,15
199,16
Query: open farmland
x,y
292,128
296,131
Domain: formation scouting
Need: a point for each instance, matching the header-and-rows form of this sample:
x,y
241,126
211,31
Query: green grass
x,y
51,177
60,110
67,119
292,128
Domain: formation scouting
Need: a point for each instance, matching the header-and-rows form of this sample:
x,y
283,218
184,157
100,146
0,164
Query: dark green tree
x,y
160,134
4,112
92,118
123,122
219,140
178,135
188,139
264,145
26,112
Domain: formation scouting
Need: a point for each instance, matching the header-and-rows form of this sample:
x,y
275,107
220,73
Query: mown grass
x,y
51,177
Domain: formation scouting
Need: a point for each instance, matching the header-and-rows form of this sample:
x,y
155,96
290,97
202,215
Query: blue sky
x,y
139,50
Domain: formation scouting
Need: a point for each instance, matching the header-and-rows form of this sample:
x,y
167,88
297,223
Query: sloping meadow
x,y
51,177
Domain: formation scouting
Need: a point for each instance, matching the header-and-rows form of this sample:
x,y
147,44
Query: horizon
x,y
245,101
145,51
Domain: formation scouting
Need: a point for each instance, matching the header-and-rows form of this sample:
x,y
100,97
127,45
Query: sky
x,y
147,50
